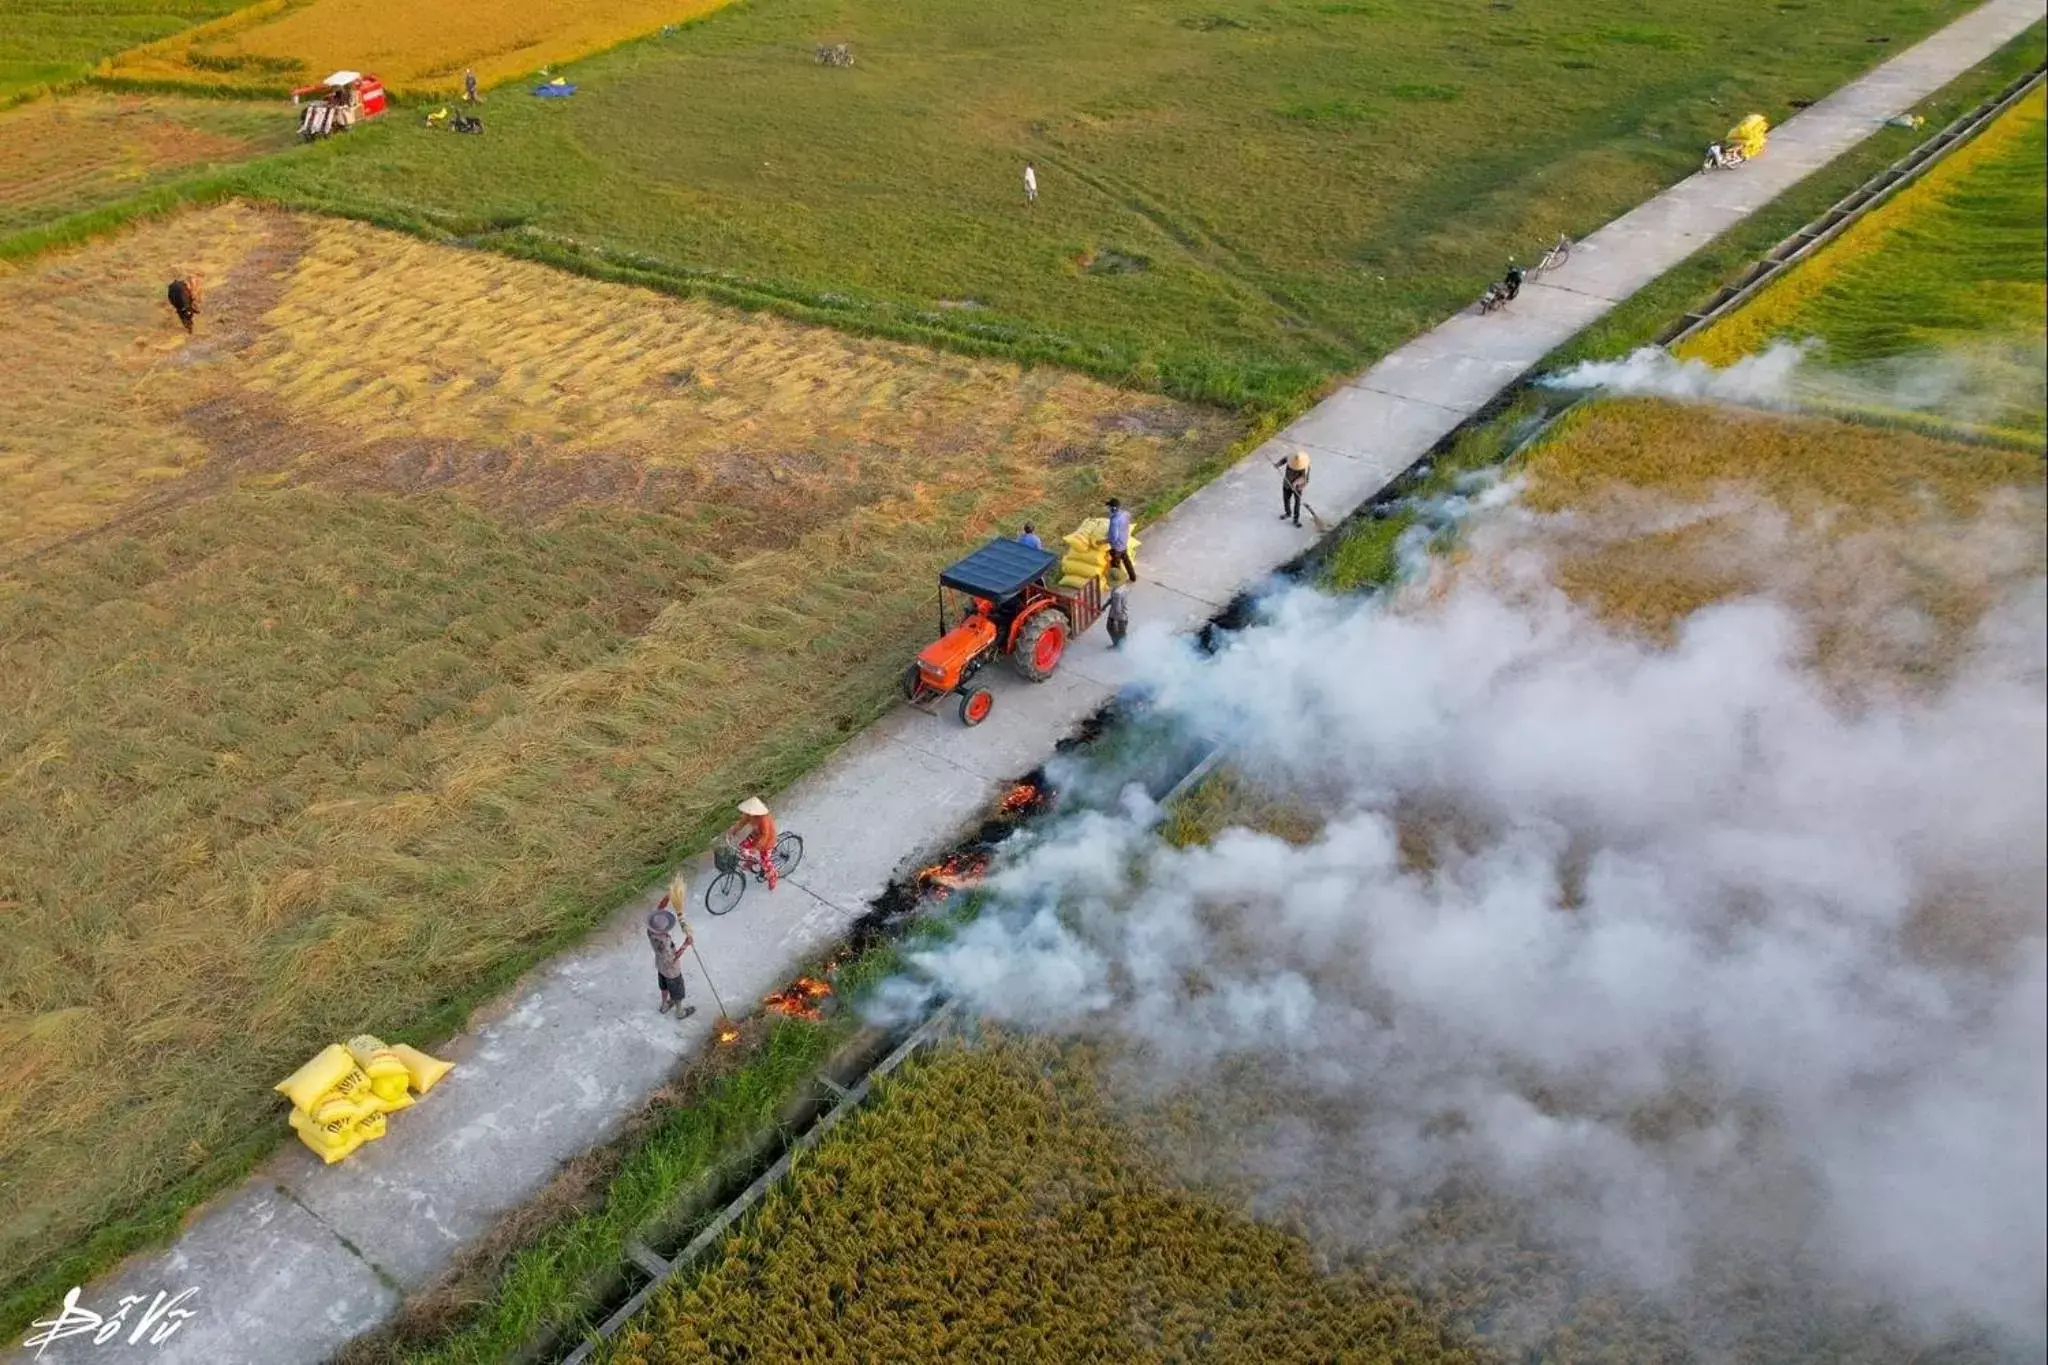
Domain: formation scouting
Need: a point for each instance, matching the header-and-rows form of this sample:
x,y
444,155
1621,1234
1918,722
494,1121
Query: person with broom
x,y
668,957
1293,483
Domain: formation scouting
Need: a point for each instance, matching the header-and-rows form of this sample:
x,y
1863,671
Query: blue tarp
x,y
550,92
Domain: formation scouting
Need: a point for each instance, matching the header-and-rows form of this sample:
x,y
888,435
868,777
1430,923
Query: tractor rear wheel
x,y
1040,644
975,705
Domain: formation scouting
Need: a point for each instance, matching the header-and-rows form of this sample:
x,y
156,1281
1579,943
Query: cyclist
x,y
754,836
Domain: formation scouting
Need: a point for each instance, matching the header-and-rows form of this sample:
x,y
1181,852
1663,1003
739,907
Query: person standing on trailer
x,y
1120,541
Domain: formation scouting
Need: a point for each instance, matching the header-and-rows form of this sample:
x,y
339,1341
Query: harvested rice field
x,y
424,47
366,645
80,151
1940,296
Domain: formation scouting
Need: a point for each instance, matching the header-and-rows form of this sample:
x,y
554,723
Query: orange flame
x,y
798,999
942,879
1025,796
728,1032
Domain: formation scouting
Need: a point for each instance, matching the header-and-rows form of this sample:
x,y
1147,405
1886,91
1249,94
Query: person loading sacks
x,y
1293,483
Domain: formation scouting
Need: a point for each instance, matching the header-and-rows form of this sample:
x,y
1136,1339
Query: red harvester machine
x,y
344,97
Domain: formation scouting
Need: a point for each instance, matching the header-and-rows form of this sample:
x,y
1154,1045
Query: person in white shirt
x,y
1030,183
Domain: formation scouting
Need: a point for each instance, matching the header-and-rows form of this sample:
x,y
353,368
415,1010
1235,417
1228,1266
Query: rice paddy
x,y
1947,282
82,150
47,44
987,1196
362,647
1238,199
424,47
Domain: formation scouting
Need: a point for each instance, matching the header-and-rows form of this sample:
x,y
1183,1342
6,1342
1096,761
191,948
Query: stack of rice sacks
x,y
1087,554
340,1098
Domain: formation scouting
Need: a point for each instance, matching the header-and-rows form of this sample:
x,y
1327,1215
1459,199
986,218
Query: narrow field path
x,y
303,1257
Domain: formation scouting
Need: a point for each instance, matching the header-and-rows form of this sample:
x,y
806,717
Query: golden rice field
x,y
1676,507
1952,270
359,649
421,46
988,1197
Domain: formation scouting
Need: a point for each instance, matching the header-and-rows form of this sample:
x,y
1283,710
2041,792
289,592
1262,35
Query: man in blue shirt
x,y
1030,537
1120,540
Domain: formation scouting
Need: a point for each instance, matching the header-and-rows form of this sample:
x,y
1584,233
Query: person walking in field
x,y
469,94
1120,541
184,297
668,957
1030,183
754,834
1293,483
1119,616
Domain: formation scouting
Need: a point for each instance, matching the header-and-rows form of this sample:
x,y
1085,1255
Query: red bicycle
x,y
734,864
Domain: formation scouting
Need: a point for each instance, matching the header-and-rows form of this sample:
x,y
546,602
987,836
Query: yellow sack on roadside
x,y
387,1073
425,1072
332,1068
369,1128
328,1141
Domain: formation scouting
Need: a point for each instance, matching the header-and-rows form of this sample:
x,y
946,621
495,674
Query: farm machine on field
x,y
343,98
1013,600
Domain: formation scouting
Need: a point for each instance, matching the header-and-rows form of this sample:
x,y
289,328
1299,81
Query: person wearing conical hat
x,y
1293,483
668,957
753,834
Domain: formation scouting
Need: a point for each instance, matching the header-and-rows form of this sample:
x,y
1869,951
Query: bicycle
x,y
1556,256
733,866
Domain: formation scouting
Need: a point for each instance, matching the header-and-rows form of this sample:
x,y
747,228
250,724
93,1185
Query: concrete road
x,y
303,1257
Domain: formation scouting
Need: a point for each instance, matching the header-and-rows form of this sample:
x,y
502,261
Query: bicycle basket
x,y
725,858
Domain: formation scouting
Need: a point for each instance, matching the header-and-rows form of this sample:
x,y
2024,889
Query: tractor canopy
x,y
999,570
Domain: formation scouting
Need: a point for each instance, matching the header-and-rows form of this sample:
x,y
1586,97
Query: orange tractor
x,y
1008,603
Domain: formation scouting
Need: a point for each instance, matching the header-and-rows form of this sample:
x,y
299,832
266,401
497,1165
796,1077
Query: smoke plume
x,y
1674,945
1984,382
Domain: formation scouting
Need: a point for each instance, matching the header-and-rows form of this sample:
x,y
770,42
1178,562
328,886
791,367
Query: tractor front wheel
x,y
975,706
1040,643
914,690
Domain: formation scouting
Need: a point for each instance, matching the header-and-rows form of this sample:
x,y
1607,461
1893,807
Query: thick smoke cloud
x,y
1675,944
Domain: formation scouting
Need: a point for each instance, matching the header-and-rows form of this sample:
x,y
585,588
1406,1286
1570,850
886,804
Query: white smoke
x,y
1700,955
1987,381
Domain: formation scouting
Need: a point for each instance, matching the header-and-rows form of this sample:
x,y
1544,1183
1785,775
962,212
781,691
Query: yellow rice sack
x,y
426,1072
369,1127
388,1076
331,1068
1070,581
329,1141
